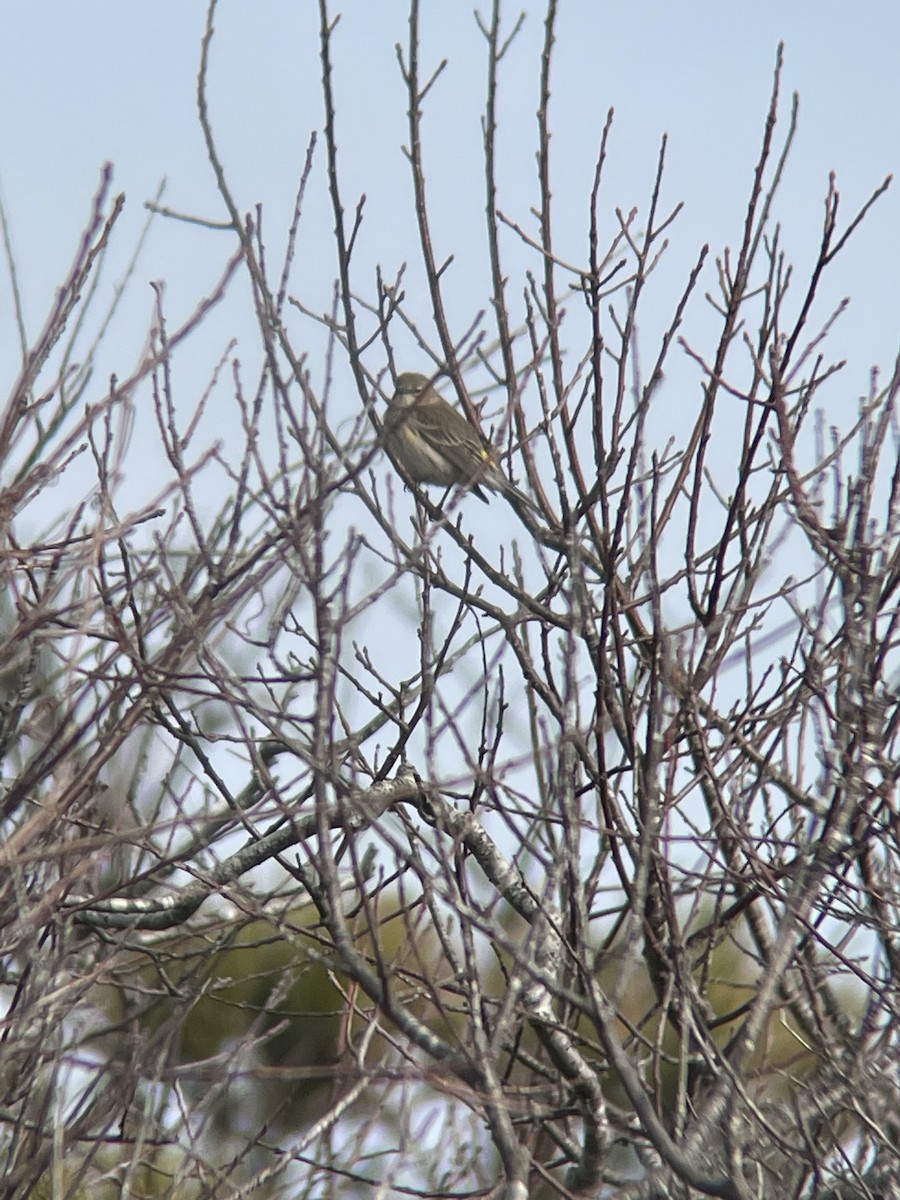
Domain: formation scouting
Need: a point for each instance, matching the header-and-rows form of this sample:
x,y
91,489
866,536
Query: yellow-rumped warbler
x,y
436,444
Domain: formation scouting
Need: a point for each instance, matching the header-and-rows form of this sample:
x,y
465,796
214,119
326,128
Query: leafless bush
x,y
357,837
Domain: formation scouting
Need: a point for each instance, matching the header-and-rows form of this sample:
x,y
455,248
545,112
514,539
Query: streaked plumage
x,y
436,444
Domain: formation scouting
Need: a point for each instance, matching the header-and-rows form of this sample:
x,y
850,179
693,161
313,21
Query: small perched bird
x,y
436,444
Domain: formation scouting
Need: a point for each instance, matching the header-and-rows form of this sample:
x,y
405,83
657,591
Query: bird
x,y
436,444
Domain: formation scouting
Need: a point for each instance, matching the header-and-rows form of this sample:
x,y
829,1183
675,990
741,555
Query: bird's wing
x,y
457,439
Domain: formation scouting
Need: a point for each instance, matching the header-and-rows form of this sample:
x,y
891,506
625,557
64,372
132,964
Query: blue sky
x,y
82,84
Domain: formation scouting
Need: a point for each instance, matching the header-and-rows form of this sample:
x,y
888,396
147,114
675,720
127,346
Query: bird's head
x,y
410,386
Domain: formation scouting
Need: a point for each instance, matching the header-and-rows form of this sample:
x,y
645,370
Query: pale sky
x,y
82,84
